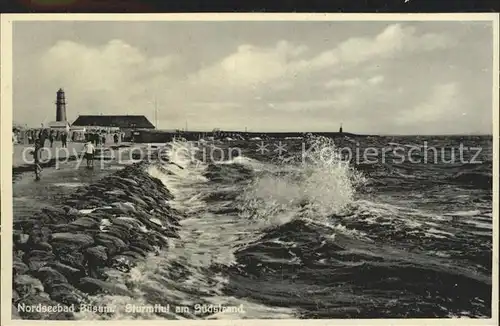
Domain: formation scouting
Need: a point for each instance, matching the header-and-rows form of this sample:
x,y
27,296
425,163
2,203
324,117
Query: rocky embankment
x,y
61,254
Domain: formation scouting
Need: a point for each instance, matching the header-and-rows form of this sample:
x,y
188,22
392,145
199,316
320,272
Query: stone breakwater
x,y
62,254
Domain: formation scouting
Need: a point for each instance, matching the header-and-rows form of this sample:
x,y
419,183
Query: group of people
x,y
92,140
33,136
89,152
97,138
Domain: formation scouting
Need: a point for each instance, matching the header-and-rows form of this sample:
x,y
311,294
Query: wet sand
x,y
21,157
57,181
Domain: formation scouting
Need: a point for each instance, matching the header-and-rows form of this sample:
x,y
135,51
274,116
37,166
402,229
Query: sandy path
x,y
30,196
20,155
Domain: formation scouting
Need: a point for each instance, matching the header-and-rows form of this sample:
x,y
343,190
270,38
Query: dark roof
x,y
122,121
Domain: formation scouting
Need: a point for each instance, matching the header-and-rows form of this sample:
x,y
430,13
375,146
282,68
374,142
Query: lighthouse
x,y
60,106
61,123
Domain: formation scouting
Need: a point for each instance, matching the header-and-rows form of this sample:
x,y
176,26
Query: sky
x,y
378,77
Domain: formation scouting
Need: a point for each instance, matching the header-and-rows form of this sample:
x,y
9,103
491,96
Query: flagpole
x,y
156,113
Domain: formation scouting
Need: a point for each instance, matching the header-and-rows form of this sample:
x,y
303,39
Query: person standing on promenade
x,y
44,134
51,139
36,159
89,154
64,139
40,136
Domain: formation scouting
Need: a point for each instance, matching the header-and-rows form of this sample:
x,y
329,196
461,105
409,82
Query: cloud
x,y
335,83
115,70
250,66
393,40
117,77
375,80
439,107
397,77
354,82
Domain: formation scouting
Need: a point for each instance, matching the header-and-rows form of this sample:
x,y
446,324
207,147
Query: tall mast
x,y
156,113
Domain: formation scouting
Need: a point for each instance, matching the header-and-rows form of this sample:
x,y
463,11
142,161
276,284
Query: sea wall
x,y
61,254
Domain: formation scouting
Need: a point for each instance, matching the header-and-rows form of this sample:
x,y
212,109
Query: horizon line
x,y
291,132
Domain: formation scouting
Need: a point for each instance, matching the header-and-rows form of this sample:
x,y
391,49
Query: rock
x,y
30,222
38,258
53,215
46,232
41,301
125,208
145,220
150,201
138,201
43,246
134,254
171,233
131,181
18,267
49,277
96,202
114,198
70,210
149,241
93,232
158,239
98,253
143,243
66,228
26,285
69,272
76,203
67,294
123,263
130,222
118,231
124,180
86,223
97,188
37,235
140,251
102,213
20,238
53,210
109,212
73,258
117,192
71,240
97,258
117,182
111,242
95,286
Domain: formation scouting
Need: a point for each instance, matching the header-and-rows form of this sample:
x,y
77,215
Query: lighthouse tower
x,y
61,123
60,106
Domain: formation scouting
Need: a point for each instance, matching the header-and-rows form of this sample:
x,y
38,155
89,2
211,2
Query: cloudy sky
x,y
374,77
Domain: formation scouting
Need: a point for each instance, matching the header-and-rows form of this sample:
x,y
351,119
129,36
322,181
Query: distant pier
x,y
150,136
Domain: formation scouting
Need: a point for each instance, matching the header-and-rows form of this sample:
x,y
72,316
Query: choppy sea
x,y
309,232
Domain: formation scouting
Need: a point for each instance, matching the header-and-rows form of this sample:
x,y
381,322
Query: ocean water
x,y
312,233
